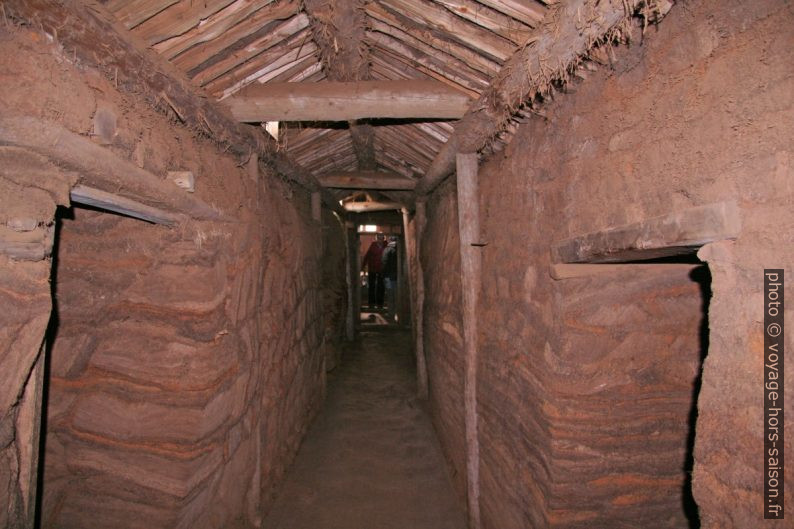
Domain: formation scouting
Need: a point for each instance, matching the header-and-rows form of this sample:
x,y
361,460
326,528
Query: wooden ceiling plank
x,y
130,13
413,132
419,145
177,19
233,81
316,77
429,144
391,163
394,69
439,19
287,34
287,68
531,13
435,132
312,74
397,144
433,60
393,159
410,159
257,22
327,136
318,139
297,140
411,57
490,19
314,162
347,101
210,28
433,46
379,73
335,155
296,72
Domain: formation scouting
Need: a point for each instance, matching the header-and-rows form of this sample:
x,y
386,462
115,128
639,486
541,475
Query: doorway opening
x,y
382,279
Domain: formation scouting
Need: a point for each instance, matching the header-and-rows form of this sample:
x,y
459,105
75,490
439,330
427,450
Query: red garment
x,y
373,261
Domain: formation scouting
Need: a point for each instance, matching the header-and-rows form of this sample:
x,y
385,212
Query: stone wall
x,y
585,385
185,363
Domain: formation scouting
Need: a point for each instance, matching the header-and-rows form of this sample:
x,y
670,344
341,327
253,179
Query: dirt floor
x,y
371,460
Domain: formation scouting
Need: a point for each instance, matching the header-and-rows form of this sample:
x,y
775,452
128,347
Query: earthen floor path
x,y
371,460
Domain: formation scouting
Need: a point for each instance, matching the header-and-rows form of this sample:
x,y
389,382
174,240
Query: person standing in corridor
x,y
389,261
373,263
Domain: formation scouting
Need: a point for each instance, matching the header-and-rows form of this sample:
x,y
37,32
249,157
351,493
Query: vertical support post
x,y
356,275
352,277
421,363
470,267
403,281
409,250
317,204
410,265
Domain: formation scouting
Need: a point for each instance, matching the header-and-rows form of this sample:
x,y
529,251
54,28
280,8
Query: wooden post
x,y
421,364
470,267
409,275
356,275
352,277
317,212
344,101
403,282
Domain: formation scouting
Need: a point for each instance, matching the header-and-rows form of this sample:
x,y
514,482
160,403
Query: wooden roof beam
x,y
558,43
333,101
361,207
366,180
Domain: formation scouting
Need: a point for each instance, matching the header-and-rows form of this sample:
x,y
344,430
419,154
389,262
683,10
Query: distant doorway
x,y
382,287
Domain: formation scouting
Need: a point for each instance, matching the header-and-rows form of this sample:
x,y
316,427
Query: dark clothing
x,y
374,264
389,260
377,289
373,258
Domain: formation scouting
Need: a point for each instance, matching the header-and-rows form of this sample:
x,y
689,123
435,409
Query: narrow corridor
x,y
371,460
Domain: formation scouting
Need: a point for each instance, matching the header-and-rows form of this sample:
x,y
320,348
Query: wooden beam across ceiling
x,y
332,101
366,180
361,207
